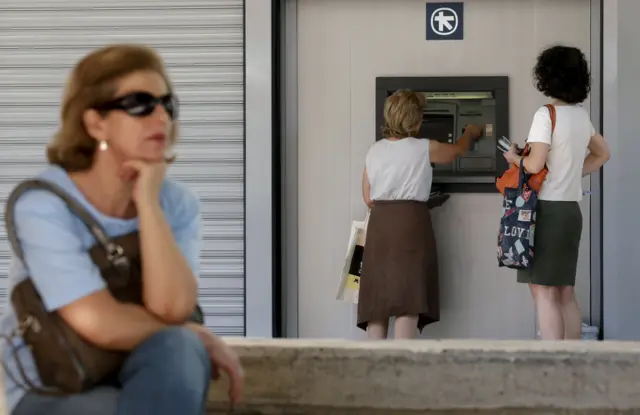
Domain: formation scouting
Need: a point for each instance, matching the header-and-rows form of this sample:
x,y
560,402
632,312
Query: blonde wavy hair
x,y
403,114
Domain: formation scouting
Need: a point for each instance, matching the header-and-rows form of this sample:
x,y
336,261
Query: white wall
x,y
342,46
621,245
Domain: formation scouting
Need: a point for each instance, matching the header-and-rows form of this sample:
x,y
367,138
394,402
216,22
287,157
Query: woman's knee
x,y
177,352
544,293
169,373
567,294
183,347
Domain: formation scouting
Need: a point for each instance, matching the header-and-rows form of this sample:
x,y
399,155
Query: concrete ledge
x,y
422,377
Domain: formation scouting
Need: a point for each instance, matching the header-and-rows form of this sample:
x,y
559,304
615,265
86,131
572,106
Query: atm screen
x,y
438,127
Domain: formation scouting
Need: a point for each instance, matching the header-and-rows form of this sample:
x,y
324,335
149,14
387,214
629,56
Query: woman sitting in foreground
x,y
119,123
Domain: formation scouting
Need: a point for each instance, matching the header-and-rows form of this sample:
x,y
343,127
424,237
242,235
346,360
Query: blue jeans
x,y
167,374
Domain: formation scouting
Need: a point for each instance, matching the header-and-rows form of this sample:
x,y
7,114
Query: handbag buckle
x,y
29,323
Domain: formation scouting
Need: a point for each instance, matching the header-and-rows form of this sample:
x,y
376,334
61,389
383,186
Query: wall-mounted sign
x,y
445,21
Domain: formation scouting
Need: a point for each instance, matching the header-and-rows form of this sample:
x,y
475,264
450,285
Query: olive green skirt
x,y
556,244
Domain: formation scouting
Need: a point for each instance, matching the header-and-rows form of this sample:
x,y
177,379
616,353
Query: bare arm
x,y
536,160
67,279
445,153
111,325
598,155
366,189
170,289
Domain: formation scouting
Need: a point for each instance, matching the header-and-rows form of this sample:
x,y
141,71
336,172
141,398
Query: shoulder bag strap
x,y
113,251
552,115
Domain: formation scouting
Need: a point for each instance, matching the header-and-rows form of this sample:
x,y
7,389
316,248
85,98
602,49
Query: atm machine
x,y
453,103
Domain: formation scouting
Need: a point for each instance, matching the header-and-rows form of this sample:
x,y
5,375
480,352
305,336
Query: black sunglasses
x,y
142,104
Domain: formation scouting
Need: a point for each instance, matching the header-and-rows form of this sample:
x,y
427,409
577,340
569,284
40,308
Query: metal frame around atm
x,y
285,40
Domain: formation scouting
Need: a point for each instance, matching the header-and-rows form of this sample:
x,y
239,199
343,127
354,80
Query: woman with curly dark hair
x,y
562,74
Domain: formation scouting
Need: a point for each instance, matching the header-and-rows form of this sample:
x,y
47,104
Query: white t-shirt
x,y
568,148
399,170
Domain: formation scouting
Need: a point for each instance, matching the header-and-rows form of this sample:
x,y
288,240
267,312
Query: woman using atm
x,y
400,264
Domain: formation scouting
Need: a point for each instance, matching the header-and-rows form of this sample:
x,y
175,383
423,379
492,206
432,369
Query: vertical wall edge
x,y
289,73
258,170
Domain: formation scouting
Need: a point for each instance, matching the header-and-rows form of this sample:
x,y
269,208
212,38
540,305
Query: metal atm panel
x,y
439,123
453,103
465,108
482,156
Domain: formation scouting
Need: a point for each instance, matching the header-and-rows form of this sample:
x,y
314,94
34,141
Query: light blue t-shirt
x,y
55,244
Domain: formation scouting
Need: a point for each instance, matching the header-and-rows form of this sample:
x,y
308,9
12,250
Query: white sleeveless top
x,y
400,170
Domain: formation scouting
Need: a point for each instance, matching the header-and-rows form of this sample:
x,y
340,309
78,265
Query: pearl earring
x,y
103,146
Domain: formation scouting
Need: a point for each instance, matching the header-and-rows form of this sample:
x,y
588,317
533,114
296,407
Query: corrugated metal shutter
x,y
202,43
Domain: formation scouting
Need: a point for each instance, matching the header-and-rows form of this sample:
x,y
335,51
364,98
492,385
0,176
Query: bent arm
x,y
537,158
366,189
539,141
109,324
169,259
599,154
69,282
445,153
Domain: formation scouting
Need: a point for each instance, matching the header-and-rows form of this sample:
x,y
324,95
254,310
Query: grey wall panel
x,y
259,147
596,178
202,44
290,168
621,227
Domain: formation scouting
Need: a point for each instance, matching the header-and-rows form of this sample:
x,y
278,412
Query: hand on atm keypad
x,y
474,130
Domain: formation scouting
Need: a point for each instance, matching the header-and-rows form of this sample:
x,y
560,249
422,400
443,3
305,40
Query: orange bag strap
x,y
552,114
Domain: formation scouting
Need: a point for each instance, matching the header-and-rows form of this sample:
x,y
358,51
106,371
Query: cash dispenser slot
x,y
451,104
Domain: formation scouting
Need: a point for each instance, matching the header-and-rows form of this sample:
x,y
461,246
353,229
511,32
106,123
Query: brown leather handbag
x,y
67,363
511,177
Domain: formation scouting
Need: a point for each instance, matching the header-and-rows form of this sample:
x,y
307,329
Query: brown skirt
x,y
400,265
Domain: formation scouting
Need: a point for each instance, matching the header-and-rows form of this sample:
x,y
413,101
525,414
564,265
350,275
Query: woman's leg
x,y
167,374
99,401
549,311
570,313
377,330
405,327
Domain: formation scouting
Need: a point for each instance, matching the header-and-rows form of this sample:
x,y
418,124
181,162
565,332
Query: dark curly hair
x,y
562,72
